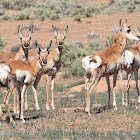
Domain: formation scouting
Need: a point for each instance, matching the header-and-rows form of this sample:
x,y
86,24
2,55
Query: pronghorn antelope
x,y
22,54
53,65
131,63
17,73
127,65
107,62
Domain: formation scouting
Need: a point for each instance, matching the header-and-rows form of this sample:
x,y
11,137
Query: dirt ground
x,y
101,24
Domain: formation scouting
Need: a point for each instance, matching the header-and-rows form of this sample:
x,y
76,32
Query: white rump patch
x,y
127,58
21,74
88,65
4,70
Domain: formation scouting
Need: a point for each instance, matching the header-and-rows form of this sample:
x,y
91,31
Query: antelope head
x,y
60,37
124,27
43,53
129,34
25,41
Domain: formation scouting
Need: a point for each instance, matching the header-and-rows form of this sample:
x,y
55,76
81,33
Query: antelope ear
x,y
48,48
54,31
125,24
37,47
19,31
66,30
31,29
120,22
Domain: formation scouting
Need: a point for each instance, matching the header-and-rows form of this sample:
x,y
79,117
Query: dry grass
x,y
69,121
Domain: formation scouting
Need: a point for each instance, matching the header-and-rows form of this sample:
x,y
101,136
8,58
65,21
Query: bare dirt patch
x,y
102,86
102,24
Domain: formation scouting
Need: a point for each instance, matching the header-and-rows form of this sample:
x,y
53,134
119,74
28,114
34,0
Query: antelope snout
x,y
44,62
26,45
61,43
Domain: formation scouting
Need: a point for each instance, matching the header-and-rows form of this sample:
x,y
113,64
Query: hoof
x,y
115,107
88,111
37,108
53,107
26,108
12,122
47,107
22,121
1,112
15,111
126,104
139,99
123,103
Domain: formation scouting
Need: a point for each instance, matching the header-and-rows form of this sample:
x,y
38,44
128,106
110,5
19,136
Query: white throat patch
x,y
39,65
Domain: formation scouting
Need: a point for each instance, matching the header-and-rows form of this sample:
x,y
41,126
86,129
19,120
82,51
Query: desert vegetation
x,y
55,10
69,120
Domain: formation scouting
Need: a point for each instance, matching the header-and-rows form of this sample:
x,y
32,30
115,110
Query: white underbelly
x,y
4,71
22,75
137,57
112,68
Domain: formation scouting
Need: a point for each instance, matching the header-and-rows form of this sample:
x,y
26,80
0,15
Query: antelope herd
x,y
25,67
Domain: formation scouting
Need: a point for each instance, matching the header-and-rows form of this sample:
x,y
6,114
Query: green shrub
x,y
131,7
2,12
93,46
110,40
56,9
5,17
71,60
77,18
130,42
88,12
55,17
21,16
2,43
17,4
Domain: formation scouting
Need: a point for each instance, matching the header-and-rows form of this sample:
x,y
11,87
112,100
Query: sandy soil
x,y
101,24
102,86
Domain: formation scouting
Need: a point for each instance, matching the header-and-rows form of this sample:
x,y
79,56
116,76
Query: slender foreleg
x,y
52,91
109,89
34,88
15,103
91,88
137,86
22,102
128,87
121,82
47,89
114,89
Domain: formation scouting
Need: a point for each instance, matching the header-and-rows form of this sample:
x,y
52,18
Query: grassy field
x,y
69,121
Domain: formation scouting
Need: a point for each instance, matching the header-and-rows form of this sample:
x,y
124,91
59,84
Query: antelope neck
x,y
59,49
